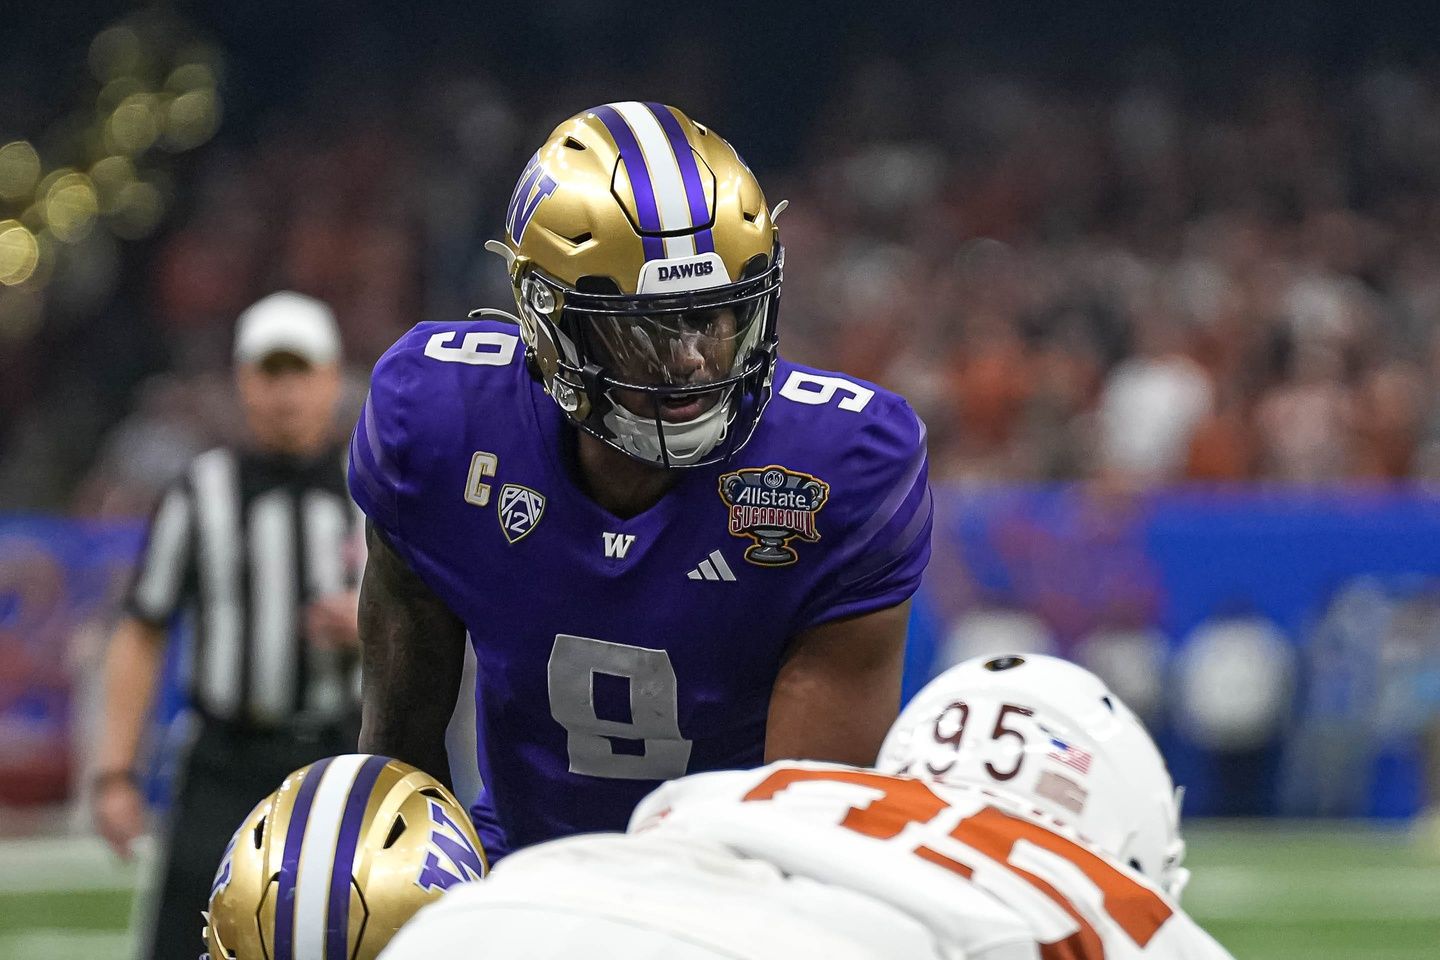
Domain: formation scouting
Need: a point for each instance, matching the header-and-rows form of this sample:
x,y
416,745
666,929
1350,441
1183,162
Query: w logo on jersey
x,y
617,545
534,186
450,858
520,510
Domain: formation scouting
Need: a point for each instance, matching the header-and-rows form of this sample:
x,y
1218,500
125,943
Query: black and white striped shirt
x,y
238,547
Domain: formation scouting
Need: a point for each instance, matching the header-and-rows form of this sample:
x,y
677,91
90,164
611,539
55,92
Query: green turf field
x,y
1300,892
1267,891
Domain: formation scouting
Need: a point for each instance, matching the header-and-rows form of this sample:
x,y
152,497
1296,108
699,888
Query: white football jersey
x,y
611,896
990,879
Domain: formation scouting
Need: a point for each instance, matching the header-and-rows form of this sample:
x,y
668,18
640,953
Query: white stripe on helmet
x,y
317,855
665,177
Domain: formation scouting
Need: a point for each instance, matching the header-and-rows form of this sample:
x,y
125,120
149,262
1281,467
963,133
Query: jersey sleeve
x,y
394,446
1183,939
885,540
158,587
378,446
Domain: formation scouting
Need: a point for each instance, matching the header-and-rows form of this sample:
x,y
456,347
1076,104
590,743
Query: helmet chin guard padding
x,y
1051,736
646,268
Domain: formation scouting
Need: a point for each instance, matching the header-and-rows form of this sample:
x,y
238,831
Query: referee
x,y
255,551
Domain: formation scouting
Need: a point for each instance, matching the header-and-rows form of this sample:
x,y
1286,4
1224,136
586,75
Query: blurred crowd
x,y
1147,282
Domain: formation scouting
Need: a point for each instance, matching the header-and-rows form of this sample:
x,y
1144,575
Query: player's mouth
x,y
683,408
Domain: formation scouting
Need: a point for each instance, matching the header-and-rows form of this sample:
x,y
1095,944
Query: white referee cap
x,y
287,322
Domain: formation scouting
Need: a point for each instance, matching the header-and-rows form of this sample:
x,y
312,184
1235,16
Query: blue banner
x,y
1292,639
1284,645
60,584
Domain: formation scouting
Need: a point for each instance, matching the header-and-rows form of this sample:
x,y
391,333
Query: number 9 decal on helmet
x,y
646,270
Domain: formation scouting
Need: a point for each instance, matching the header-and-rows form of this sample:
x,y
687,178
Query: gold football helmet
x,y
646,267
336,860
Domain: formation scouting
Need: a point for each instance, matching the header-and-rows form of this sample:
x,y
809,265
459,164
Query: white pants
x,y
611,897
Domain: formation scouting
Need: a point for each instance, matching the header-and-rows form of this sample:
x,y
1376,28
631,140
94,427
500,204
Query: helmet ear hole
x,y
595,283
1109,704
259,833
574,144
396,829
1135,865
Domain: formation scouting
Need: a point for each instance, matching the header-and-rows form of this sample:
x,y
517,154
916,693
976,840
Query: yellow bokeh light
x,y
134,125
138,210
190,76
114,93
51,178
115,52
19,169
111,176
19,253
71,206
113,172
191,119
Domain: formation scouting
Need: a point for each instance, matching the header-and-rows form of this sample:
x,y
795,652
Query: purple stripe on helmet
x,y
639,175
290,861
690,173
337,915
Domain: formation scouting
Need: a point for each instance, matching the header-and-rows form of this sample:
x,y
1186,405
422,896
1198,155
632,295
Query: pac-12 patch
x,y
520,510
772,506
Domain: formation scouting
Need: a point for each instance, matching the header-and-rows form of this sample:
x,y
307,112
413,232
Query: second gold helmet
x,y
332,863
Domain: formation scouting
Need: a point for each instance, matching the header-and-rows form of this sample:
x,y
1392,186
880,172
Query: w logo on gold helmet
x,y
646,267
330,865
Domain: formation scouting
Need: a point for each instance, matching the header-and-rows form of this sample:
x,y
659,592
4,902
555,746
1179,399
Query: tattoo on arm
x,y
412,655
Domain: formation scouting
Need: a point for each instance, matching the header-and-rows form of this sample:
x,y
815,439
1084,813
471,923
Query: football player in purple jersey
x,y
671,550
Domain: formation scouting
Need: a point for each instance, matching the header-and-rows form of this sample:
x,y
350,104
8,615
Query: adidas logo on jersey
x,y
712,567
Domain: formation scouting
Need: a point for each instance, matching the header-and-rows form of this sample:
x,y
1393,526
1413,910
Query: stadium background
x,y
1163,280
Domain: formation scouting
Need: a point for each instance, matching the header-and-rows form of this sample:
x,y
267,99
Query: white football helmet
x,y
1052,735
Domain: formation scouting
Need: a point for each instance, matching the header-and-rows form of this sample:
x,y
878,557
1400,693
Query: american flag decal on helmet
x,y
1071,756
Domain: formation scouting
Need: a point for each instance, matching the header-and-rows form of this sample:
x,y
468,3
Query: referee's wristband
x,y
108,778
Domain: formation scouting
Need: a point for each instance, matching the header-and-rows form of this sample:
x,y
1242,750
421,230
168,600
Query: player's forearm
x,y
132,664
814,721
400,716
838,691
412,655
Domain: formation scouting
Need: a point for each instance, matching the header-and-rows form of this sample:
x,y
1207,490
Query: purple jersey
x,y
612,653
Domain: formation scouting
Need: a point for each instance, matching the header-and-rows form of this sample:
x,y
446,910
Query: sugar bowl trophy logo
x,y
520,510
773,506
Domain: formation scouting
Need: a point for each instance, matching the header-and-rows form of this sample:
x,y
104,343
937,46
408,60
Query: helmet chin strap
x,y
684,443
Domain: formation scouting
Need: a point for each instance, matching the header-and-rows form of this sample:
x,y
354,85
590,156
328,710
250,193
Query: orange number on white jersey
x,y
1136,909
